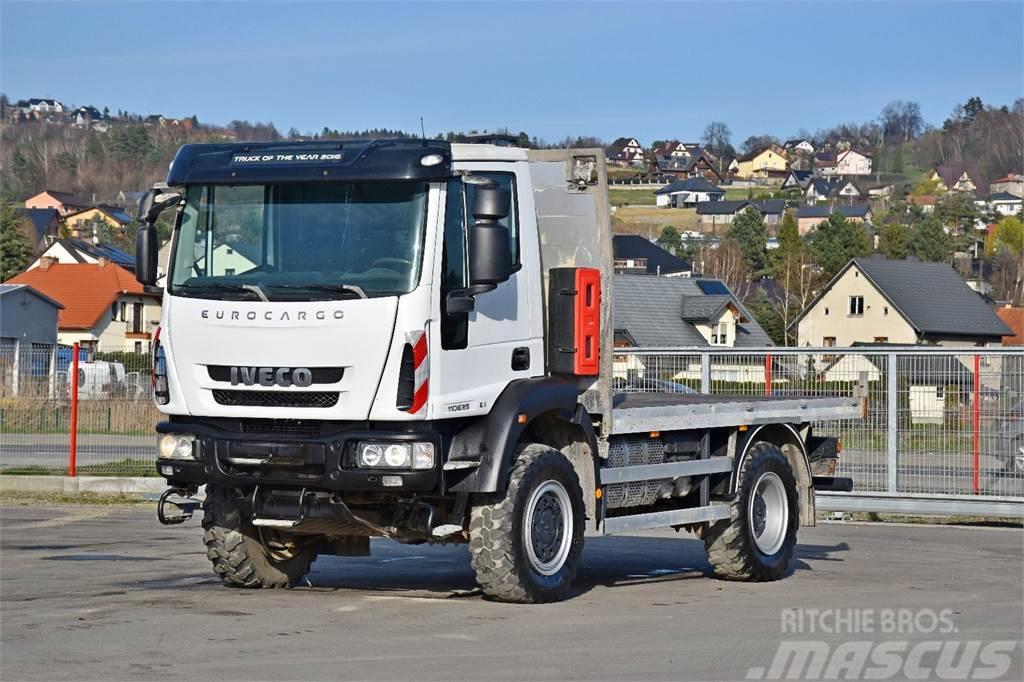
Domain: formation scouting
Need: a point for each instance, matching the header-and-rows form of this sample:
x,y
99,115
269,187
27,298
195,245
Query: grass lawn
x,y
649,220
630,197
125,467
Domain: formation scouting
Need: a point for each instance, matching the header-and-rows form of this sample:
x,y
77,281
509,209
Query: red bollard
x,y
74,410
976,417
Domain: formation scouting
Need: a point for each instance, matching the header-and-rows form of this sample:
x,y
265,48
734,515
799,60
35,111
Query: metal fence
x,y
115,415
942,429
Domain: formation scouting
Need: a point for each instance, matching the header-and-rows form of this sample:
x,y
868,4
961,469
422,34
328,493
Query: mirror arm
x,y
464,300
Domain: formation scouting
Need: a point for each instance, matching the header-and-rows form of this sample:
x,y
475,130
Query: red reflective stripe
x,y
419,350
419,399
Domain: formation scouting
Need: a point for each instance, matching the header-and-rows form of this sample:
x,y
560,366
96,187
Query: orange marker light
x,y
744,428
655,434
521,418
598,493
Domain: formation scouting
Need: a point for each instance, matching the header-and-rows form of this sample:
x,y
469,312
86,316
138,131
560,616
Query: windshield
x,y
300,241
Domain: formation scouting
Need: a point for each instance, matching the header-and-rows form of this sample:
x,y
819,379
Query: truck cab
x,y
409,339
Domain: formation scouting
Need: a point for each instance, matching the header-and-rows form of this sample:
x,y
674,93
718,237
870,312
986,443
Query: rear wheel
x,y
757,541
527,544
244,555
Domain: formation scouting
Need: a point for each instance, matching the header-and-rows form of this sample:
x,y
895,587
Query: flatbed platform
x,y
645,412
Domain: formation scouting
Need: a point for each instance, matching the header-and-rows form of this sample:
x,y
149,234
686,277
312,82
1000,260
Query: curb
x,y
110,485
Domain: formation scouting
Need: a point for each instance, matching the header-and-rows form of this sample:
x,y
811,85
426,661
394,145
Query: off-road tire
x,y
234,547
497,532
729,543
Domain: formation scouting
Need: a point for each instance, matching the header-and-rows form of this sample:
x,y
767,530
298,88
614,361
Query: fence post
x,y
74,410
976,421
705,373
893,420
768,374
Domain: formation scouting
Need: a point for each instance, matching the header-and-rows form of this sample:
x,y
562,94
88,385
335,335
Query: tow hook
x,y
182,508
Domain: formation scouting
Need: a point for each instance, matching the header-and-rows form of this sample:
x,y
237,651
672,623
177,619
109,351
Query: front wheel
x,y
244,555
527,545
756,542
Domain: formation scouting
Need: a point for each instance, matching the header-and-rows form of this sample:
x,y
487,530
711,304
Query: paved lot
x,y
105,593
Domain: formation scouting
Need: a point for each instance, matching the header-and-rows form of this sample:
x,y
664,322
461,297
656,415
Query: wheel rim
x,y
279,547
547,527
768,513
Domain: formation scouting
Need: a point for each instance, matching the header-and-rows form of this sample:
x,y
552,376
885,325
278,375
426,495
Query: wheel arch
x,y
787,438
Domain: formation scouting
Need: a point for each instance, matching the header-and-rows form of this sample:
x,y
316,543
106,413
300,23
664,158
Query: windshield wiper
x,y
228,286
319,286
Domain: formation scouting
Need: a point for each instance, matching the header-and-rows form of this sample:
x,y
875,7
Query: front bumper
x,y
322,460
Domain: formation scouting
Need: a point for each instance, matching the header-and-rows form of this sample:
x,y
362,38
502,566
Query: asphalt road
x,y
105,593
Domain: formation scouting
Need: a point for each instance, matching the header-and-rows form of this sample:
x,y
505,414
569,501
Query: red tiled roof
x,y
1014,319
87,290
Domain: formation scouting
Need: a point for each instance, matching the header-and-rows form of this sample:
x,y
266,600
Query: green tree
x,y
835,241
770,316
750,234
894,240
958,211
670,240
15,248
929,240
1007,234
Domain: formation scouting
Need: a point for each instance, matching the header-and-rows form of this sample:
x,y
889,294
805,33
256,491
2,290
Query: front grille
x,y
276,398
320,375
294,427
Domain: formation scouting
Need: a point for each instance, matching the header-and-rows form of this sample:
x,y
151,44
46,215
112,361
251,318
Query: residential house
x,y
809,217
687,193
633,254
958,178
79,223
833,188
155,120
731,166
678,311
626,152
695,163
846,162
84,116
938,387
711,214
105,308
926,203
74,251
800,145
877,300
1012,183
798,180
1005,203
44,224
670,148
46,106
761,163
28,334
63,202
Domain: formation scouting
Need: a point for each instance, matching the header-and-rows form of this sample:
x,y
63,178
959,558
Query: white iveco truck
x,y
413,339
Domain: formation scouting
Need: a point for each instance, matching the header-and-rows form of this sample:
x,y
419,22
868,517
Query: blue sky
x,y
657,70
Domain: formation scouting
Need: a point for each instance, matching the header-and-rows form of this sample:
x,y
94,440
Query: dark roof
x,y
91,112
650,311
690,185
802,177
42,220
659,261
1004,196
749,156
721,207
952,172
616,147
847,211
932,297
795,142
703,307
76,247
771,206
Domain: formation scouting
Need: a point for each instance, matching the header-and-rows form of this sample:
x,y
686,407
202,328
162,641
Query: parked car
x,y
1007,442
100,379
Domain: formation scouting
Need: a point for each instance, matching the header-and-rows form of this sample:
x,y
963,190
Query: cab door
x,y
480,352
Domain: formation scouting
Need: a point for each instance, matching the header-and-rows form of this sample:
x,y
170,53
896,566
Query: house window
x,y
856,305
138,346
940,393
881,339
826,311
828,341
124,311
113,312
229,271
720,334
885,310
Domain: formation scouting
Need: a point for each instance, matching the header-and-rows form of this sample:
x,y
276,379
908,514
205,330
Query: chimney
x,y
46,261
102,262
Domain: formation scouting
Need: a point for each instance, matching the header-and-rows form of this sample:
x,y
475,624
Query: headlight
x,y
404,455
176,446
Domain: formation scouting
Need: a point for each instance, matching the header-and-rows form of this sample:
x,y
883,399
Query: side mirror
x,y
147,250
490,256
153,202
